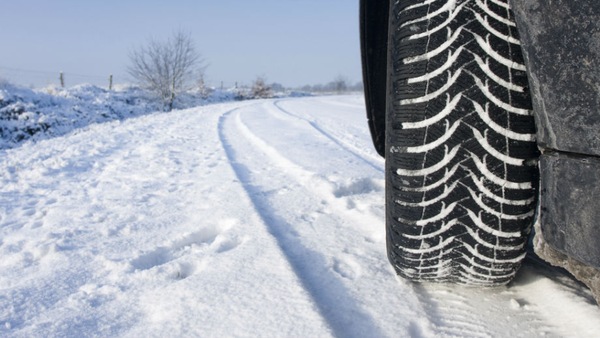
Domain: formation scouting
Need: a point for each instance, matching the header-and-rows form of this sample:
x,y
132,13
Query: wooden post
x,y
110,82
62,80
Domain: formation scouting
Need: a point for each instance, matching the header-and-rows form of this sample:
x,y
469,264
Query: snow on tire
x,y
460,139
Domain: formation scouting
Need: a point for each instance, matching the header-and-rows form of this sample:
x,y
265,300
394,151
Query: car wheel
x,y
461,156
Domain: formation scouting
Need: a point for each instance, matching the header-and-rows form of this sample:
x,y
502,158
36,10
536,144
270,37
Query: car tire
x,y
461,155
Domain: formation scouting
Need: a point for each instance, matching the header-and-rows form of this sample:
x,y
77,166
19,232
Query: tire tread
x,y
461,182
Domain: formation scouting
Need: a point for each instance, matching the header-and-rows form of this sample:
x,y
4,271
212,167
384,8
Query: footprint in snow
x,y
346,267
210,239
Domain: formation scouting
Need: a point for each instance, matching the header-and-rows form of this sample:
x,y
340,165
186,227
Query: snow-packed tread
x,y
460,167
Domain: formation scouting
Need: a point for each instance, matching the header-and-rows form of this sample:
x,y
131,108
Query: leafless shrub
x,y
260,89
166,67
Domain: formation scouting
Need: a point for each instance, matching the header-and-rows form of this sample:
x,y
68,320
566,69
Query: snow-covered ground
x,y
244,219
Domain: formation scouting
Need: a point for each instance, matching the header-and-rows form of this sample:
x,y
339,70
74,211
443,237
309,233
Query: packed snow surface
x,y
244,219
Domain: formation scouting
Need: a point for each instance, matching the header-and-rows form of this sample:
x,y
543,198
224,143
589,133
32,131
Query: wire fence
x,y
41,78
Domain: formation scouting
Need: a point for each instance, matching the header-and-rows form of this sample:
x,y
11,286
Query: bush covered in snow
x,y
27,114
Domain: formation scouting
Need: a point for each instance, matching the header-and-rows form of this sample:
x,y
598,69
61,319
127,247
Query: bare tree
x,y
166,67
260,89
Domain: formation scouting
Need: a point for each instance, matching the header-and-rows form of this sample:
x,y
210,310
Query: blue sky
x,y
293,42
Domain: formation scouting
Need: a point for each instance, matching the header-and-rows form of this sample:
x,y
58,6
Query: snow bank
x,y
33,115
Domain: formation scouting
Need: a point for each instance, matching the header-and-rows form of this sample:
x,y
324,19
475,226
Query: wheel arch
x,y
374,40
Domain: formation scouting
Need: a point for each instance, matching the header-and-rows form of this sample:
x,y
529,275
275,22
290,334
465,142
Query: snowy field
x,y
245,219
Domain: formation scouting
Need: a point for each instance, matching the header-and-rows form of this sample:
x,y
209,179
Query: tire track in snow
x,y
334,139
310,266
461,311
319,186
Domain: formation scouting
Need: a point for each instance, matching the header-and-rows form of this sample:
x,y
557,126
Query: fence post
x,y
62,80
110,82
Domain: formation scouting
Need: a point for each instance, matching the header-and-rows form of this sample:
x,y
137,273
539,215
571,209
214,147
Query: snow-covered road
x,y
257,218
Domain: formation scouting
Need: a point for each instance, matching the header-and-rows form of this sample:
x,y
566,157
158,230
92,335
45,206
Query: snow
x,y
239,219
27,114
